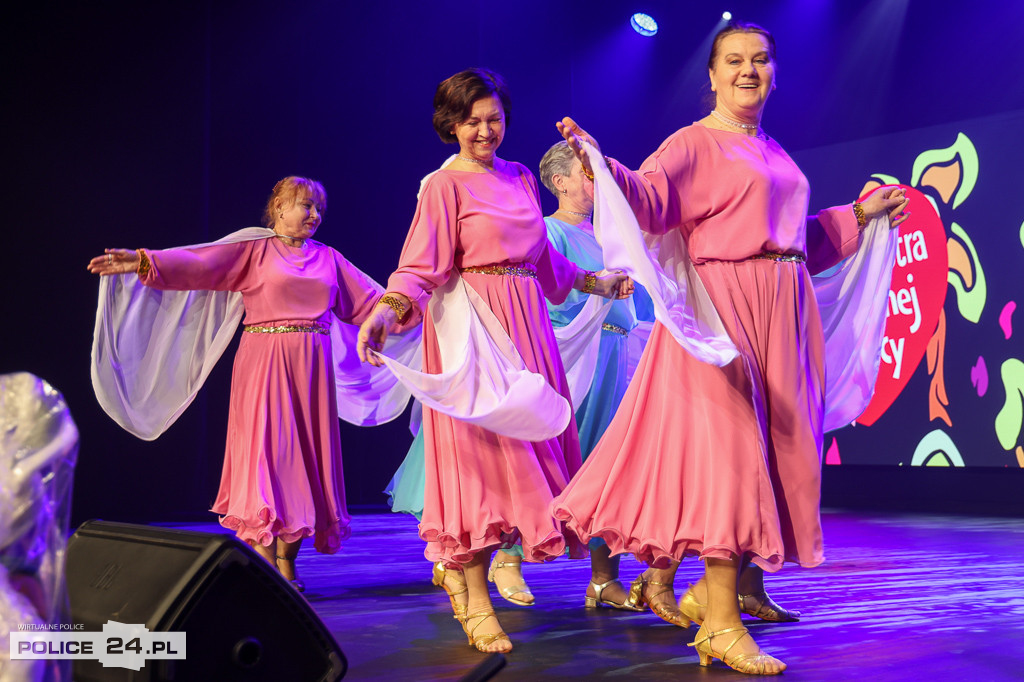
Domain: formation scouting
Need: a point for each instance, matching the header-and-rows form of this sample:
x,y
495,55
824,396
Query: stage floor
x,y
900,597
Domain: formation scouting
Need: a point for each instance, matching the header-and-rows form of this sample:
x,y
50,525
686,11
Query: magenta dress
x,y
282,473
483,489
722,461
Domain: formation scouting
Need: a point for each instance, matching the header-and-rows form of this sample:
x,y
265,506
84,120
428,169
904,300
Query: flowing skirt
x,y
282,473
483,489
717,461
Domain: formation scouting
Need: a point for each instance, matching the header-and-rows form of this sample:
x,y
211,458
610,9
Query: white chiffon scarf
x,y
852,298
153,350
483,379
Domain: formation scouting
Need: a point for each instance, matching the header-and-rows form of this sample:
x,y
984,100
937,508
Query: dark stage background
x,y
162,124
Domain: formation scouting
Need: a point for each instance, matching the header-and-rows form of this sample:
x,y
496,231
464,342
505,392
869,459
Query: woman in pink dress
x,y
282,476
480,218
724,462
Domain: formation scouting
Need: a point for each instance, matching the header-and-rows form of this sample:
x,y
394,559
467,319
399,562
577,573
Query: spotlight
x,y
643,24
726,16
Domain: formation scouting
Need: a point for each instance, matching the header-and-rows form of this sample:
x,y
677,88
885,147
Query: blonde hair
x,y
291,189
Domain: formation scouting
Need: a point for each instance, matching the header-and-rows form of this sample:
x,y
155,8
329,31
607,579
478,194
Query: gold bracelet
x,y
589,282
589,175
395,304
858,211
144,264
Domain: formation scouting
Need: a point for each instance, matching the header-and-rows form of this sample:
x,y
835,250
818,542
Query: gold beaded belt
x,y
783,257
312,327
615,328
508,270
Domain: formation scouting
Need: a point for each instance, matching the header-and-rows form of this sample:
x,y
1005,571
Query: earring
x,y
565,191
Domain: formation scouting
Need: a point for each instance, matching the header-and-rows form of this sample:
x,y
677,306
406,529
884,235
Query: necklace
x,y
737,124
588,216
301,240
471,160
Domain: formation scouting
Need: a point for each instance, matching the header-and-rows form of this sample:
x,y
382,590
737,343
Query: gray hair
x,y
556,161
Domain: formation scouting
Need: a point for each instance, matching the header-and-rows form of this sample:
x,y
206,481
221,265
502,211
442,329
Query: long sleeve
x,y
832,236
212,267
357,292
653,191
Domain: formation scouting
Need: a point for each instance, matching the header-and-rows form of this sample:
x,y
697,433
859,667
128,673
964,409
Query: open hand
x,y
114,262
575,135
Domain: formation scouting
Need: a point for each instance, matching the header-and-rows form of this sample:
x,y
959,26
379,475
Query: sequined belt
x,y
508,270
782,257
615,328
312,327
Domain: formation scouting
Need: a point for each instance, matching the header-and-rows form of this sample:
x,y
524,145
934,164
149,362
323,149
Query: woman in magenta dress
x,y
480,217
724,462
282,475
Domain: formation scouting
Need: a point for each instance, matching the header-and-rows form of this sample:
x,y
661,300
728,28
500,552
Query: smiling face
x,y
299,220
743,75
481,133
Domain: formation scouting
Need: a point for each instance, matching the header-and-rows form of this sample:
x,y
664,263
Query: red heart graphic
x,y
916,296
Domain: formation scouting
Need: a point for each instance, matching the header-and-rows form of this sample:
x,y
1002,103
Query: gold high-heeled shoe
x,y
438,579
760,605
598,600
690,607
750,664
485,640
669,614
508,592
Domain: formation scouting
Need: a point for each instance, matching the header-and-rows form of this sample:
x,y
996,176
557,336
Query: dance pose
x,y
479,219
723,462
282,475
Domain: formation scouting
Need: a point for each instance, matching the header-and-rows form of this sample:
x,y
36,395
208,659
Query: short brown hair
x,y
454,98
289,190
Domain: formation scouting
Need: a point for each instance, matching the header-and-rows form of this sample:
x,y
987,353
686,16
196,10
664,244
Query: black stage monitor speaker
x,y
241,619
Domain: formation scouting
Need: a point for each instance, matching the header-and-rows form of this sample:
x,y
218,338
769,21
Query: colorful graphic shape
x,y
937,449
1006,319
916,296
1011,417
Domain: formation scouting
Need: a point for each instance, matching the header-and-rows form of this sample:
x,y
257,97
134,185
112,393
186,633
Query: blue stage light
x,y
726,16
644,24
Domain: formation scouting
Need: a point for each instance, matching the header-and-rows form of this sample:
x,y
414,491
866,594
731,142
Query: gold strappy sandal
x,y
485,640
750,664
508,592
598,600
669,614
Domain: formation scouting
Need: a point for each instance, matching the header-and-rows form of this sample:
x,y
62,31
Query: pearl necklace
x,y
471,160
588,216
737,124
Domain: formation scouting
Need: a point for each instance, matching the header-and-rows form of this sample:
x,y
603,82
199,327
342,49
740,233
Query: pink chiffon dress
x,y
282,474
484,489
714,461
